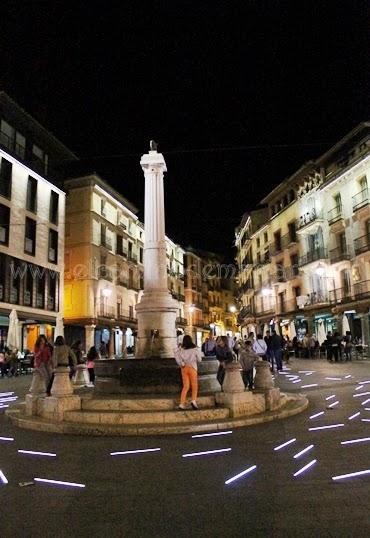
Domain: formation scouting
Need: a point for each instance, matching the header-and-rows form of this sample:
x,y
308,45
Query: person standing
x,y
276,344
336,346
329,346
210,346
224,356
42,361
348,344
63,355
247,359
259,346
92,356
187,357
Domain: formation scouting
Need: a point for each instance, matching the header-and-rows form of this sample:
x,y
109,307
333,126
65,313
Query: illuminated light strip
x,y
326,427
352,441
310,373
333,378
6,438
307,386
364,382
2,406
243,473
192,454
334,404
5,394
330,397
3,478
312,462
306,371
211,434
10,399
34,453
354,416
367,409
135,451
317,414
297,381
350,475
365,402
285,444
361,394
359,387
347,376
59,482
365,419
303,451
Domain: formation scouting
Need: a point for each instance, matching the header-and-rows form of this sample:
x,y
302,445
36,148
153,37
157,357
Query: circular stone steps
x,y
146,417
139,403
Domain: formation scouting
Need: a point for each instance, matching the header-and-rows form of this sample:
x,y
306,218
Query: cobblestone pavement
x,y
162,494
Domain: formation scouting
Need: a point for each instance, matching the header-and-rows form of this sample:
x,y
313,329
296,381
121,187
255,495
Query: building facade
x,y
310,253
104,267
32,218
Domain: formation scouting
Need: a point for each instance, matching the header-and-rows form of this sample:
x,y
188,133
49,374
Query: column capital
x,y
153,159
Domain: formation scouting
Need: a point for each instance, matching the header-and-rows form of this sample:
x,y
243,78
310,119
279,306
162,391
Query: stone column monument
x,y
156,312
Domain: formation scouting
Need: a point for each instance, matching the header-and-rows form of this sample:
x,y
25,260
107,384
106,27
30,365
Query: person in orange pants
x,y
187,357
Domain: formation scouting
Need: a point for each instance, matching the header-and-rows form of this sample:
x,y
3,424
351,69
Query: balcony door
x,y
345,282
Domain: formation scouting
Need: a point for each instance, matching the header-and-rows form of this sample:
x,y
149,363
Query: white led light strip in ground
x,y
141,451
305,468
352,441
3,478
317,414
59,482
359,387
5,394
365,419
243,473
35,453
354,416
333,378
285,444
326,427
193,454
347,376
330,397
350,475
334,404
6,438
303,451
365,402
307,386
211,434
361,394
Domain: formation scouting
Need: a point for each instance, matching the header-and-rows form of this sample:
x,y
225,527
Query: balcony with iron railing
x,y
181,321
317,254
341,295
127,316
105,273
361,289
360,199
105,242
289,239
335,214
317,297
276,247
105,311
288,305
309,218
362,244
339,254
122,282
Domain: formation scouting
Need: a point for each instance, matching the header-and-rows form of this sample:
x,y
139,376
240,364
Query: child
x,y
91,357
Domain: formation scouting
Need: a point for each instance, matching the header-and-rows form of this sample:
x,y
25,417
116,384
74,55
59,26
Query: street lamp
x,y
320,270
212,325
232,309
107,292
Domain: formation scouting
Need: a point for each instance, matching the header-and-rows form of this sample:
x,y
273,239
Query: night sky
x,y
237,93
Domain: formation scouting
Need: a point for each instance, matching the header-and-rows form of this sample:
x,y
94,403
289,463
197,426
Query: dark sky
x,y
289,77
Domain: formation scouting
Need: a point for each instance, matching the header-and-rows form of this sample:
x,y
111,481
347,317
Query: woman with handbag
x,y
259,346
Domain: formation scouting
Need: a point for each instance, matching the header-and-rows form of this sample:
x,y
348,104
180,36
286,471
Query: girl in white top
x,y
187,357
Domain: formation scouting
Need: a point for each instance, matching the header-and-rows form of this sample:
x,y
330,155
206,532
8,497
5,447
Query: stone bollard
x,y
62,398
233,381
264,384
82,375
263,378
37,390
235,397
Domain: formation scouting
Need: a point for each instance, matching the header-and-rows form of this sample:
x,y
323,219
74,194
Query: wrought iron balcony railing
x,y
362,244
335,214
360,199
314,255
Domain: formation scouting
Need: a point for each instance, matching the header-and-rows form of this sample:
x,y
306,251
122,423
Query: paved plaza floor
x,y
163,494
